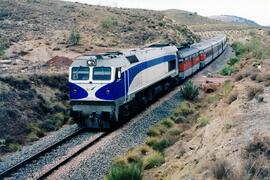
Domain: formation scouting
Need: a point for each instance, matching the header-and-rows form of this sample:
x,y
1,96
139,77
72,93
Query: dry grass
x,y
232,97
221,169
202,121
254,91
256,155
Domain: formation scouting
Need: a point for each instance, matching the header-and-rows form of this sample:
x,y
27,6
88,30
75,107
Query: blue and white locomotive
x,y
107,87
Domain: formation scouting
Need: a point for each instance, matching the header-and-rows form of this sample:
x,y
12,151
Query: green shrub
x,y
106,22
153,131
239,48
158,144
252,48
153,160
133,156
132,171
167,123
233,60
119,161
189,91
174,132
74,37
184,109
14,147
202,121
227,71
2,49
34,132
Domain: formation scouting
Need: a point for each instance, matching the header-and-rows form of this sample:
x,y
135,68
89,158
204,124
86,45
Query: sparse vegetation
x,y
222,170
256,156
132,171
202,121
232,97
253,91
189,91
158,144
233,60
106,23
227,71
153,160
74,37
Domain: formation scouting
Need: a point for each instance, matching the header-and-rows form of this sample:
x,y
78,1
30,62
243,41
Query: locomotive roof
x,y
120,58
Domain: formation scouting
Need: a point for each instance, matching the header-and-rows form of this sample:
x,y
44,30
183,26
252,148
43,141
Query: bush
x,y
175,132
253,91
189,91
133,171
227,71
153,160
74,37
184,109
239,48
16,82
133,156
2,49
232,97
34,132
158,144
14,147
106,23
119,161
233,60
167,123
153,131
222,170
202,121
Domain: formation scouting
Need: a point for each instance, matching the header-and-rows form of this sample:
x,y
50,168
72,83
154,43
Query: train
x,y
105,88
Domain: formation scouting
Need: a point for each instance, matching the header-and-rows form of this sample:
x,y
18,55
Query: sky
x,y
256,10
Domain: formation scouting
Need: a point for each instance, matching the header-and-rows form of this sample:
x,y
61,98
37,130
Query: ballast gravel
x,y
39,145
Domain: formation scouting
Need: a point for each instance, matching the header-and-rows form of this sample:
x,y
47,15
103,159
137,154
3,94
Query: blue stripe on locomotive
x,y
117,88
80,92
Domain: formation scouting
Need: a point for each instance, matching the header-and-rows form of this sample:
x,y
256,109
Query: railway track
x,y
51,167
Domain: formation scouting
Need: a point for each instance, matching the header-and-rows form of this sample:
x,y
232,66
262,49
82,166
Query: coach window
x,y
102,73
80,73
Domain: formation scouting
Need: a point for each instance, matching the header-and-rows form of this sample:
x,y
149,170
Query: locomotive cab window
x,y
80,73
102,73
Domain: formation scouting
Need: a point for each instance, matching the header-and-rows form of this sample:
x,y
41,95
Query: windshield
x,y
102,73
80,73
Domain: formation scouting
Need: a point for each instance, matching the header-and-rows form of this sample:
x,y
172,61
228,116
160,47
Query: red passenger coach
x,y
189,62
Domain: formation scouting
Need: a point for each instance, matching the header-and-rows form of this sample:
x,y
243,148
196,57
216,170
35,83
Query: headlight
x,y
91,63
108,91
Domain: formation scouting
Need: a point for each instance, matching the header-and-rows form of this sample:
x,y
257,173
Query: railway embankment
x,y
222,135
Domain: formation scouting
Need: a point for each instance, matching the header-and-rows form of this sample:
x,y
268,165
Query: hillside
x,y
235,20
34,31
188,18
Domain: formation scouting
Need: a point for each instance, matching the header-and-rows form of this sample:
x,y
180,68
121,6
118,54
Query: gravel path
x,y
96,165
